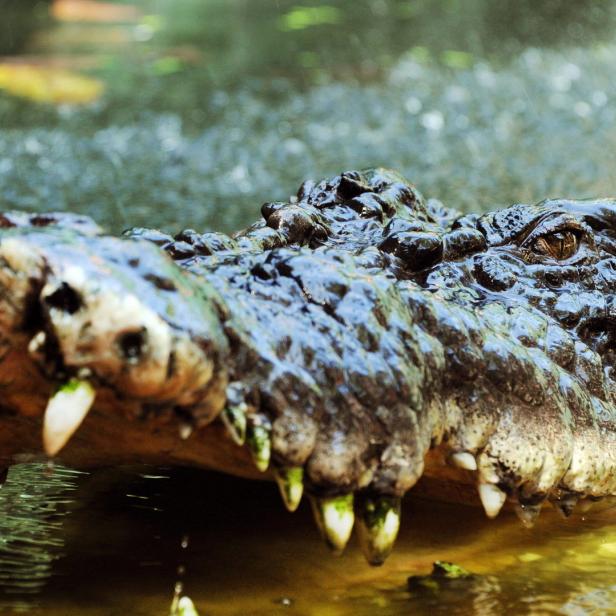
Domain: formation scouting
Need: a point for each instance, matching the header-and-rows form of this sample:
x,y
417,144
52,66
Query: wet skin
x,y
356,338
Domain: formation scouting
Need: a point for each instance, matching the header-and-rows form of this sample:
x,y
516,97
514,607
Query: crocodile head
x,y
356,339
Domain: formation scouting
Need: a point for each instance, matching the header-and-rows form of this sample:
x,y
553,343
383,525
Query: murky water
x,y
111,543
181,113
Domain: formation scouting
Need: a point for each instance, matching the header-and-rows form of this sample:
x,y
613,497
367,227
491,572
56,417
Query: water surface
x,y
112,542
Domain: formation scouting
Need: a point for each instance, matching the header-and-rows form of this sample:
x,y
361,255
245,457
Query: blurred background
x,y
191,113
177,113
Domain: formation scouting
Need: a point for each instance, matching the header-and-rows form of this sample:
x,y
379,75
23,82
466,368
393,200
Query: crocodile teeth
x,y
234,418
492,498
291,484
65,411
258,439
186,607
335,518
378,523
464,460
528,514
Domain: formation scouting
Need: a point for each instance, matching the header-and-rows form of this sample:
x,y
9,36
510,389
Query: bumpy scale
x,y
347,338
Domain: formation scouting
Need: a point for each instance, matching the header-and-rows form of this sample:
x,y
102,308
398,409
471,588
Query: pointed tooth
x,y
185,430
492,498
378,522
290,481
464,460
65,411
335,518
528,514
258,439
84,373
234,418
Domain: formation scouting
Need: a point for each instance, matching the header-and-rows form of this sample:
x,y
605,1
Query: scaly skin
x,y
370,336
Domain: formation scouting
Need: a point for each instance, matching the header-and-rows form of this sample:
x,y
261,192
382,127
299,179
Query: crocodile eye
x,y
560,245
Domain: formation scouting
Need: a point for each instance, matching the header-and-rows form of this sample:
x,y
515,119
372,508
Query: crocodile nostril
x,y
64,298
132,344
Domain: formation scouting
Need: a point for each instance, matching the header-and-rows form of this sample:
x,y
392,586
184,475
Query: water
x,y
112,543
210,108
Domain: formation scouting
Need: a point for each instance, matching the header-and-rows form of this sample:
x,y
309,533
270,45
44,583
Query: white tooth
x,y
84,373
65,411
335,519
36,343
185,431
464,460
492,499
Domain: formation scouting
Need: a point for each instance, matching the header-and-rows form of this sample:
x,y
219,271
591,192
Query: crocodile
x,y
357,341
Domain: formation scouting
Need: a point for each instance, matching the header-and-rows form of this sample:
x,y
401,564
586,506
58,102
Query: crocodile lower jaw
x,y
112,434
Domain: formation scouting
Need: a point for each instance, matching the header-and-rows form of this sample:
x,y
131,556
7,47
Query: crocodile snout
x,y
81,308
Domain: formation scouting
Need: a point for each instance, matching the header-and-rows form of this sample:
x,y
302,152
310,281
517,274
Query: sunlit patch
x,y
49,85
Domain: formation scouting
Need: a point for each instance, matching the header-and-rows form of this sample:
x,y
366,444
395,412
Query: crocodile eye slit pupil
x,y
561,245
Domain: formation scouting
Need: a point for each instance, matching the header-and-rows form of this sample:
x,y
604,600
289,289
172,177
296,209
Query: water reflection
x,y
124,551
33,504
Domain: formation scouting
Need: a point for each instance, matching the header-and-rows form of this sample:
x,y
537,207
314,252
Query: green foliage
x,y
302,17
